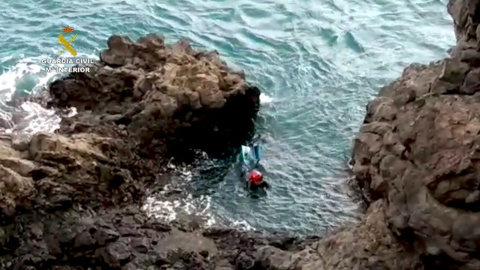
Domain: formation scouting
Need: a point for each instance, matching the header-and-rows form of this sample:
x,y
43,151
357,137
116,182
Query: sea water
x,y
318,63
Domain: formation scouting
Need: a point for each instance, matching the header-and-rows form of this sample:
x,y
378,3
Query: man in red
x,y
255,180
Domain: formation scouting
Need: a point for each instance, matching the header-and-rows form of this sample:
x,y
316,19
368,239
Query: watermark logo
x,y
67,46
65,43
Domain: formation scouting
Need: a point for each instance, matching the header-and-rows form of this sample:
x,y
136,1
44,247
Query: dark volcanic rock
x,y
162,95
417,152
83,239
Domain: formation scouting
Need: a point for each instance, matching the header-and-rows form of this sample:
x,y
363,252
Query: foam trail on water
x,y
10,78
28,75
175,203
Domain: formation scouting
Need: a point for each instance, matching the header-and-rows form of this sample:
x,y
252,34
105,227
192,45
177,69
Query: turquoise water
x,y
318,62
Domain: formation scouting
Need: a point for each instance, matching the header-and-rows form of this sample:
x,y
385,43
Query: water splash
x,y
264,99
26,76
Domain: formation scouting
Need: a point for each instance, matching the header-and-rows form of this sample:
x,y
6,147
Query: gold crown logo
x,y
67,29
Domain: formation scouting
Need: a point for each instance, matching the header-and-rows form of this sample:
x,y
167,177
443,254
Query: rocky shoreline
x,y
71,200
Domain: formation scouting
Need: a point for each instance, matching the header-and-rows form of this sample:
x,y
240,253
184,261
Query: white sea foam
x,y
174,209
19,78
264,99
184,206
170,208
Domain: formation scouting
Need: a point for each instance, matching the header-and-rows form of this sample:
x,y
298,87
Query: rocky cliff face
x,y
418,151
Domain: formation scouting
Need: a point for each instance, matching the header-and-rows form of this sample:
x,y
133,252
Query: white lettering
x,y
56,69
57,61
83,61
77,61
67,69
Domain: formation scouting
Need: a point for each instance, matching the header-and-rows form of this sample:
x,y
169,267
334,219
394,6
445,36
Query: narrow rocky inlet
x,y
71,200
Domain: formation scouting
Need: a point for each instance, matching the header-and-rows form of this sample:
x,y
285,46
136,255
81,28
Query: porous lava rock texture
x,y
161,95
418,151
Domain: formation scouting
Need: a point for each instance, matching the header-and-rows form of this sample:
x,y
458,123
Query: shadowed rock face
x,y
162,95
418,151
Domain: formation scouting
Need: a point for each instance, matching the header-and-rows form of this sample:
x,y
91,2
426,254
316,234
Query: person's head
x,y
255,177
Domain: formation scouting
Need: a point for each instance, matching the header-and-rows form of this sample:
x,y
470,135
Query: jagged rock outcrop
x,y
51,171
419,147
161,95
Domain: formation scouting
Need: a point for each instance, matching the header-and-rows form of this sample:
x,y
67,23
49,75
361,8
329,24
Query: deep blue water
x,y
320,62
